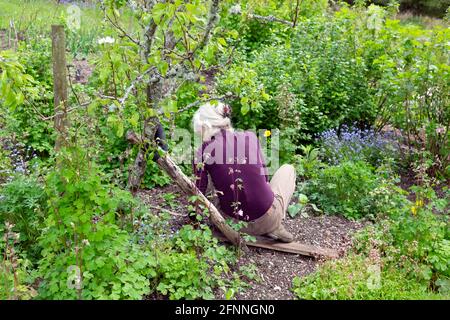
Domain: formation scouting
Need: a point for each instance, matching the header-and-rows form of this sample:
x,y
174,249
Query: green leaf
x,y
134,119
163,66
222,41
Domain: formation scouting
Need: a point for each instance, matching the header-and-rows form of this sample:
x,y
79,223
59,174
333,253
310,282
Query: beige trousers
x,y
283,187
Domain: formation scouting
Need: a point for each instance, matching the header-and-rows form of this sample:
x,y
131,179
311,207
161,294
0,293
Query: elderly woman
x,y
231,163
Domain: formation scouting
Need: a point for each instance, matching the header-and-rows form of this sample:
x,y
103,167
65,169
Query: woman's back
x,y
237,169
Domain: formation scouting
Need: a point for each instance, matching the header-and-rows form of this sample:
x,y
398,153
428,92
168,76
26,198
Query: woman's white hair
x,y
209,119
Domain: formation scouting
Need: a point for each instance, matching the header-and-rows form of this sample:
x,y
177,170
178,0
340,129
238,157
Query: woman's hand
x,y
160,139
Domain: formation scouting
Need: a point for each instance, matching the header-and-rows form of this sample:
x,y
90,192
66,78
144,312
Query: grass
x,y
41,14
426,22
34,18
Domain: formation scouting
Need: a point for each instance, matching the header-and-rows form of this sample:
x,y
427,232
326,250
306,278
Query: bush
x,y
328,83
404,255
416,238
353,144
351,189
360,278
24,121
15,269
196,267
85,254
23,204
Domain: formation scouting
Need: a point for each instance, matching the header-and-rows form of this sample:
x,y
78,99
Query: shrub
x,y
326,80
23,204
353,144
24,120
351,189
196,266
85,254
191,264
360,278
416,238
15,269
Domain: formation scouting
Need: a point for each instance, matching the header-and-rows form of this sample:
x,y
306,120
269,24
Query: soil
x,y
275,269
80,71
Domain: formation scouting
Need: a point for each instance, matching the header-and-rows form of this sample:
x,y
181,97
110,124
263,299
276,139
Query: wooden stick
x,y
166,210
292,247
59,83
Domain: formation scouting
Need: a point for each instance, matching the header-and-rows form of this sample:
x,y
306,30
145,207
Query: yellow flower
x,y
414,210
267,133
419,203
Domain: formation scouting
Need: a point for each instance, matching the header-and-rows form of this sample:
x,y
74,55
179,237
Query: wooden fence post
x,y
59,84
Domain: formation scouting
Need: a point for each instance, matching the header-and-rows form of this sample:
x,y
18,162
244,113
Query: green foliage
x,y
15,269
81,233
411,77
327,83
355,277
23,204
196,268
254,33
5,165
33,96
13,79
351,189
416,238
309,163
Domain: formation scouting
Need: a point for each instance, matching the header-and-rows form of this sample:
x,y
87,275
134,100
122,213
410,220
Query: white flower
x,y
112,107
235,9
106,40
240,213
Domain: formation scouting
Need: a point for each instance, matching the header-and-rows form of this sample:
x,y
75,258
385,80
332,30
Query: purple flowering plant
x,y
350,143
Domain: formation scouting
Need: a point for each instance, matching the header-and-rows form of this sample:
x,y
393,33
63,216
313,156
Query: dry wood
x,y
293,247
59,84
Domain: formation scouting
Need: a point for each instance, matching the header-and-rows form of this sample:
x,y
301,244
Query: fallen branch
x,y
189,187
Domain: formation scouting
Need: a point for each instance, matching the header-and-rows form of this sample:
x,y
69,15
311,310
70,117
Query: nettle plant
x,y
142,72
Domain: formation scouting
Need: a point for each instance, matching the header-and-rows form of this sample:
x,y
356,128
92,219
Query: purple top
x,y
235,164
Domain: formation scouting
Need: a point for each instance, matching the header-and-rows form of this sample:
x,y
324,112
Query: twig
x,y
124,33
269,18
194,104
132,85
166,210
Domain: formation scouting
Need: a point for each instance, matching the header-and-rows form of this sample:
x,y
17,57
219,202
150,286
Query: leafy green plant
x,y
309,163
197,266
14,268
360,278
414,237
85,254
351,189
302,207
30,97
23,203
